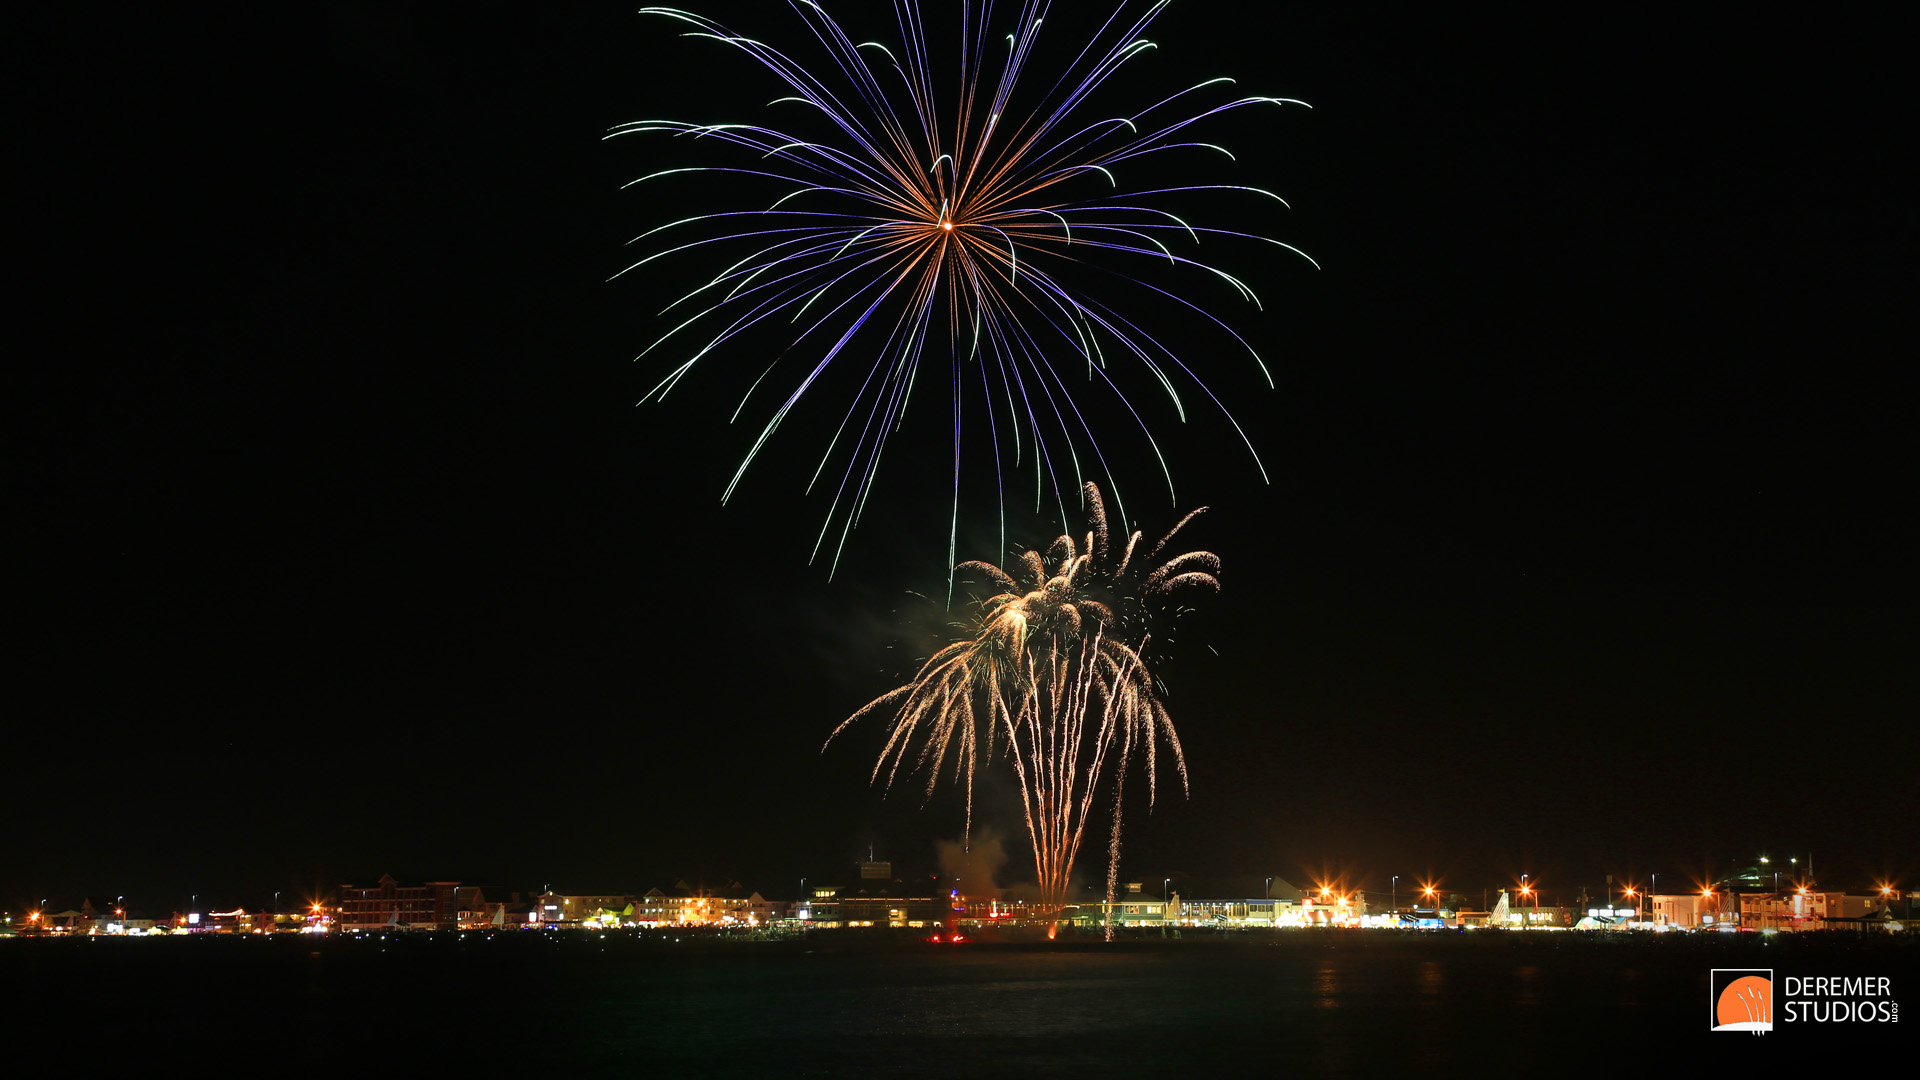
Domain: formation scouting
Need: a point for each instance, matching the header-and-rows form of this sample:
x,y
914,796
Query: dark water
x,y
1319,1002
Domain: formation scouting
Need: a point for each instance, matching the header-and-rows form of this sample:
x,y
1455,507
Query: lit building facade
x,y
681,907
552,909
1683,910
1130,907
434,905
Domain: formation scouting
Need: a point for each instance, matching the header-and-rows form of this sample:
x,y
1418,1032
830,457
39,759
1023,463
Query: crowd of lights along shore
x,y
1752,899
1054,675
894,216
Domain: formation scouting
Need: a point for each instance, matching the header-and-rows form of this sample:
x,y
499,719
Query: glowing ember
x,y
1055,676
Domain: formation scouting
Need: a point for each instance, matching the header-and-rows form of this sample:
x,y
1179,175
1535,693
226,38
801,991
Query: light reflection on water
x,y
1326,989
1430,980
882,1013
1333,1004
1526,993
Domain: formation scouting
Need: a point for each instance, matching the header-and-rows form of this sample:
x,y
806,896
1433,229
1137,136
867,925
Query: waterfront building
x,y
1516,915
877,903
820,907
1608,917
1684,911
1888,911
683,906
1813,909
553,909
880,899
1801,909
432,905
69,921
978,913
1131,907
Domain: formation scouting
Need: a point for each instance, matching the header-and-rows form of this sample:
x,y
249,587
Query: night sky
x,y
339,547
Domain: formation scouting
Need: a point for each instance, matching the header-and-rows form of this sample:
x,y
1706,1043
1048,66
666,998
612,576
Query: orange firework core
x,y
947,225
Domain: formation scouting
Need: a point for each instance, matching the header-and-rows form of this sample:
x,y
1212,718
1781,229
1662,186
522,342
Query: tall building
x,y
433,905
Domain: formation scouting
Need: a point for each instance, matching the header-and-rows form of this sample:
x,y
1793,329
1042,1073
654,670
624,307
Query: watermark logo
x,y
1742,999
1824,999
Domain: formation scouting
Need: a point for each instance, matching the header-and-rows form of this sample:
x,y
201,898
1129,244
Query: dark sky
x,y
339,546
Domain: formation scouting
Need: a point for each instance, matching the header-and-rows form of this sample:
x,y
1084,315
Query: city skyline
x,y
1760,886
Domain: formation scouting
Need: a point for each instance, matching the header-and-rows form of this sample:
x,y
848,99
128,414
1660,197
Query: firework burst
x,y
981,217
1053,676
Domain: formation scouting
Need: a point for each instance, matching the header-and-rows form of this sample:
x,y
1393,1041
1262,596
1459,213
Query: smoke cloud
x,y
976,869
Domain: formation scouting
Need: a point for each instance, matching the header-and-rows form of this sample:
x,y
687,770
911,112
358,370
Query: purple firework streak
x,y
902,212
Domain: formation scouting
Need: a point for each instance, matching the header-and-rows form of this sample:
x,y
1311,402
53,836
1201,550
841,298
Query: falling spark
x,y
911,217
1053,676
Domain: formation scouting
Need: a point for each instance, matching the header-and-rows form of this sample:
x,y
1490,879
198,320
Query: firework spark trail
x,y
1053,675
974,209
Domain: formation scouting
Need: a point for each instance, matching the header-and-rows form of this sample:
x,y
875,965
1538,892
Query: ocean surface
x,y
1318,1002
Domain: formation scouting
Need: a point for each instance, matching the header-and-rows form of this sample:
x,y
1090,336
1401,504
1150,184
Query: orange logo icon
x,y
1744,1001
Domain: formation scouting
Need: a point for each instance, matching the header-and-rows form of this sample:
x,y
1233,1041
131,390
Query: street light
x,y
1393,900
1166,897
